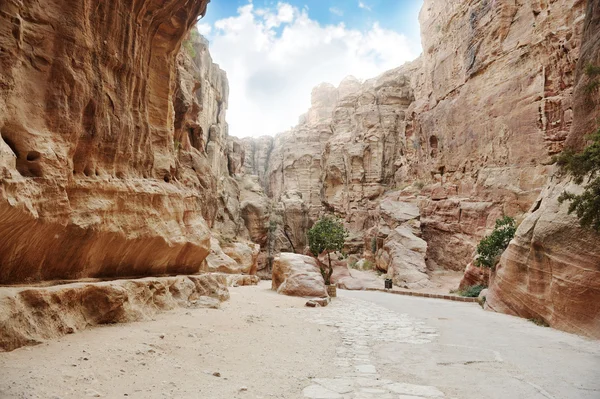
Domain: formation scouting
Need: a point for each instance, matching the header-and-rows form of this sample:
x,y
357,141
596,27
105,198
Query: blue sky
x,y
397,15
275,52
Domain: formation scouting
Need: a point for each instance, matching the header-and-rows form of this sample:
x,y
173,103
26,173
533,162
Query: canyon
x,y
116,159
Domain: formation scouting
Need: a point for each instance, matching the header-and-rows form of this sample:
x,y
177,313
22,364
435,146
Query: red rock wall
x,y
551,270
88,167
493,103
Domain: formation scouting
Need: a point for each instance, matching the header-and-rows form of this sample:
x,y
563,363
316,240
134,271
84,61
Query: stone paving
x,y
362,325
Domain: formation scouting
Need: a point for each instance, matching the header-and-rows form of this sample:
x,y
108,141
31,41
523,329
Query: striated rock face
x,y
91,182
551,270
493,102
297,275
467,131
115,158
29,316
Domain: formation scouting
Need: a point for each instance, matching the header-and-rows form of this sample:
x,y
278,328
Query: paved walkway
x,y
409,348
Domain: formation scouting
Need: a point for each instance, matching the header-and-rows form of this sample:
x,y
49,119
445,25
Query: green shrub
x,y
539,322
492,246
327,235
471,292
584,166
593,72
368,265
374,245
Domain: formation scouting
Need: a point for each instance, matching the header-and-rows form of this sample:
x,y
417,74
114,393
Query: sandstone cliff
x,y
466,132
551,270
115,158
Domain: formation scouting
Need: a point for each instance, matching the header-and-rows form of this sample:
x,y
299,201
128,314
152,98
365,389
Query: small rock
x,y
217,374
312,304
243,389
92,393
162,336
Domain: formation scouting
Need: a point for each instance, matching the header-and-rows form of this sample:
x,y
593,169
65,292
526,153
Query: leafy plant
x,y
188,44
374,245
368,265
539,322
327,235
492,246
176,145
592,71
471,292
585,164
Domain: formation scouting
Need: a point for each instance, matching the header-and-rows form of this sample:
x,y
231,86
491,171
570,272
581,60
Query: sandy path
x,y
255,342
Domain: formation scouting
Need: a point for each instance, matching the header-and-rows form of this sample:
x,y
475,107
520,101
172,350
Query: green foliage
x,y
592,86
585,164
188,44
176,145
539,322
419,184
327,235
492,246
472,291
374,245
368,265
593,72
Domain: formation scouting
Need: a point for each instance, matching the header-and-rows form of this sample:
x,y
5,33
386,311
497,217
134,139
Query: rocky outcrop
x,y
233,258
90,176
115,158
297,275
31,315
467,130
551,270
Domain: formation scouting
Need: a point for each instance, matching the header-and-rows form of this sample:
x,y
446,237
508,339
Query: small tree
x,y
327,235
492,246
584,165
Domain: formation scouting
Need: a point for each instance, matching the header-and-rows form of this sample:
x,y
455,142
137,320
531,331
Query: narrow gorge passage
x,y
264,345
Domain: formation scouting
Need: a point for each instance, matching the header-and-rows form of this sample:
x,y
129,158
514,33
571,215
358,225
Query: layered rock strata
x,y
551,270
29,316
468,130
90,177
115,158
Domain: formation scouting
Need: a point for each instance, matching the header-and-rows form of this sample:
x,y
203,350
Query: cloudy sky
x,y
274,53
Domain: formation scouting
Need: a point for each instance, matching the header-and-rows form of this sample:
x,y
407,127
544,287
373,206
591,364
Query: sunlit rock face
x,y
115,158
467,130
493,103
551,270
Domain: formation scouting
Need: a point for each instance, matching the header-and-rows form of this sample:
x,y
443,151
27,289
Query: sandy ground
x,y
365,345
258,347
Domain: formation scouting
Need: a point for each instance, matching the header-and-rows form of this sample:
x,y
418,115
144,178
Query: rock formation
x,y
90,172
551,270
298,275
466,134
467,131
115,158
32,315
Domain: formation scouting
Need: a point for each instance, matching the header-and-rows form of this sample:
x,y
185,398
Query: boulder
x,y
297,275
232,258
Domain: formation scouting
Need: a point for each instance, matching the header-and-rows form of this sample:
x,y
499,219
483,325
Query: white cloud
x,y
275,56
364,6
204,29
336,11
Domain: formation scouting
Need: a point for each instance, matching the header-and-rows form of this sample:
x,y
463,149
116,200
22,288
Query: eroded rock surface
x,y
551,270
34,314
297,275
